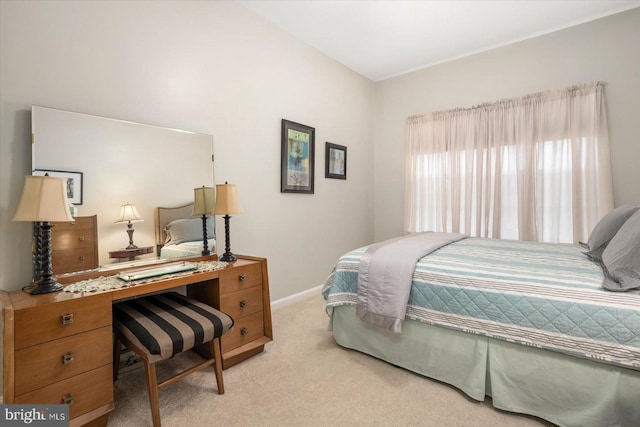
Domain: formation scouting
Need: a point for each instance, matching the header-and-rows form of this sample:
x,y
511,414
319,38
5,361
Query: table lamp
x,y
204,201
227,204
129,214
44,199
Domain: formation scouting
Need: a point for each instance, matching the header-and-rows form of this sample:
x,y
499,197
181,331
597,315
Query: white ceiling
x,y
384,38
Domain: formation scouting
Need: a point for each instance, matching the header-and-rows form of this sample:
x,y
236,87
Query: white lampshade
x,y
227,200
204,200
129,213
44,199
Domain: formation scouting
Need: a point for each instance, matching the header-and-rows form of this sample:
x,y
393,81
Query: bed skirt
x,y
562,389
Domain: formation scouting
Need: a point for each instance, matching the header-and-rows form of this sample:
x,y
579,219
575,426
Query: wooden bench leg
x,y
217,355
152,387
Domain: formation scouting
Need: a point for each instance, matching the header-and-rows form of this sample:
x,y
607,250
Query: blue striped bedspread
x,y
537,294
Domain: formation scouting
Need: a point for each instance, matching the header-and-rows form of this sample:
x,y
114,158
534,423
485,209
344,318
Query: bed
x,y
179,233
528,324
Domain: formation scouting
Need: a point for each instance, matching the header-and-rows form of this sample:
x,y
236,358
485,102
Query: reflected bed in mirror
x,y
122,162
179,234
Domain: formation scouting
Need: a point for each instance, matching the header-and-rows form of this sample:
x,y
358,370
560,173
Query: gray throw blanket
x,y
385,275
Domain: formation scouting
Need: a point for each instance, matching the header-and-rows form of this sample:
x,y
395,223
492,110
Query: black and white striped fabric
x,y
167,324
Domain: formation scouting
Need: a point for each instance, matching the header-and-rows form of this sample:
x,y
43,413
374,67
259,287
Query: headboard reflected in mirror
x,y
113,162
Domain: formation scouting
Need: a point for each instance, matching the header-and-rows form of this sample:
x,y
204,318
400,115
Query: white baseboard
x,y
292,299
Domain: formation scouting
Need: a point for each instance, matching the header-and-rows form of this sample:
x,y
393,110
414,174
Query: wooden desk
x,y
131,253
57,348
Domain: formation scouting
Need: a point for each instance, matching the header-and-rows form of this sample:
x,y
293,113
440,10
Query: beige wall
x,y
209,67
606,49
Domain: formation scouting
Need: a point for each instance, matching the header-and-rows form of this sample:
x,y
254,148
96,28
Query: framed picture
x,y
335,161
74,183
298,157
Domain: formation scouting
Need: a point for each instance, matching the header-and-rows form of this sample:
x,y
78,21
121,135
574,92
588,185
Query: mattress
x,y
186,249
540,295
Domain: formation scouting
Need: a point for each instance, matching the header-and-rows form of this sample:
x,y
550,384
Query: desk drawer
x,y
44,364
40,324
242,303
239,278
70,260
75,239
79,223
245,330
84,392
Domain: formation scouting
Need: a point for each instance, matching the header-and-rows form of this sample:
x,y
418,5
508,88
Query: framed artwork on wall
x,y
74,183
298,157
335,161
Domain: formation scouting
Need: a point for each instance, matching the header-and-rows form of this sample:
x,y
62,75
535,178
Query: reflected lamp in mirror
x,y
44,199
129,214
227,204
204,200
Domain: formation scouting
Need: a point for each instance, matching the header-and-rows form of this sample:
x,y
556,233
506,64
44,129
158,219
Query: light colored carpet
x,y
305,379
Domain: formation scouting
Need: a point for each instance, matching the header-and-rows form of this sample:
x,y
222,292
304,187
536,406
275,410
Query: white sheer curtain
x,y
530,168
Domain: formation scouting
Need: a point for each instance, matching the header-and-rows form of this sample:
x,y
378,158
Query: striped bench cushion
x,y
167,324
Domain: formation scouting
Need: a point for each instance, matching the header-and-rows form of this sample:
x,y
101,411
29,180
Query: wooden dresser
x,y
74,245
57,347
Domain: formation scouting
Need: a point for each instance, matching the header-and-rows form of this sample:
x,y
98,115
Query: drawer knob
x,y
81,238
67,399
81,257
67,358
244,331
243,303
243,277
67,319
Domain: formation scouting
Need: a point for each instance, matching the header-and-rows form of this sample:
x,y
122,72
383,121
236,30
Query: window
x,y
531,168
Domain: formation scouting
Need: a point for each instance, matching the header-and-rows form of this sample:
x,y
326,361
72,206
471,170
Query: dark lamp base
x,y
47,282
45,288
228,257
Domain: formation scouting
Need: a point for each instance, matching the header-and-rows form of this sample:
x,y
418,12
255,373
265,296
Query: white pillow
x,y
187,230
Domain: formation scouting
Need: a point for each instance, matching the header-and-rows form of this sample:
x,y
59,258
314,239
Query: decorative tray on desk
x,y
145,273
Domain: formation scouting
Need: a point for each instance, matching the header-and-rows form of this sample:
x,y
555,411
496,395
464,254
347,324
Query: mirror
x,y
118,162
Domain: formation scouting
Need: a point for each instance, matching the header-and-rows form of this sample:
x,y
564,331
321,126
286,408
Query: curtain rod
x,y
547,95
